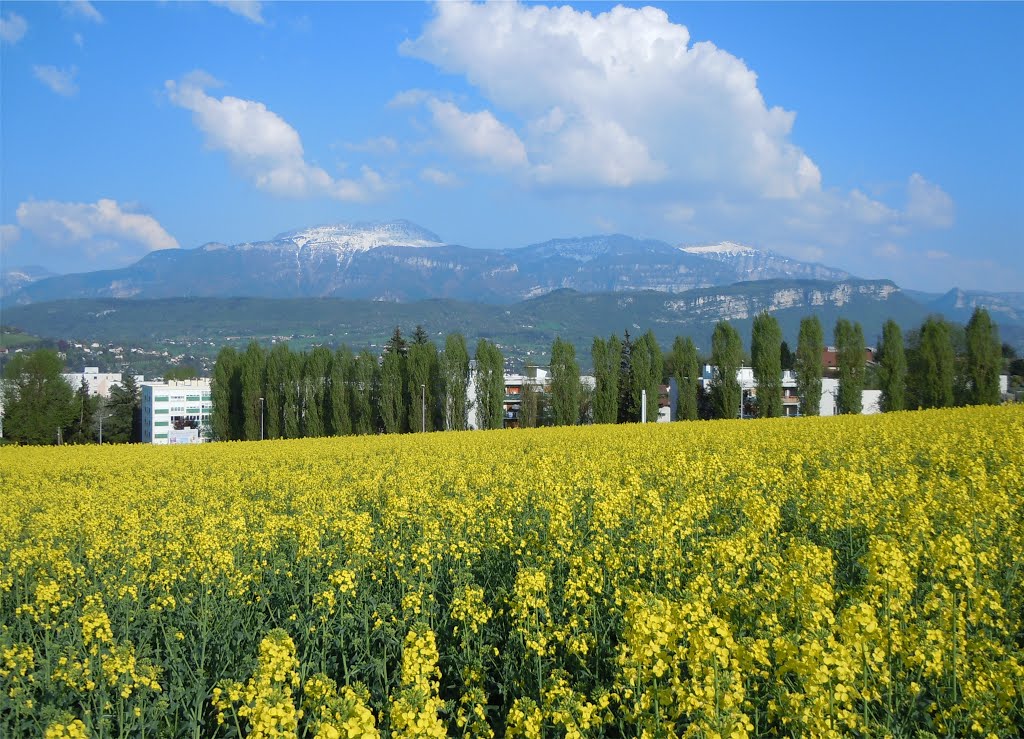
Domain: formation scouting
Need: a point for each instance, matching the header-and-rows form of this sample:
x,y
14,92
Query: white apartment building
x,y
176,412
99,383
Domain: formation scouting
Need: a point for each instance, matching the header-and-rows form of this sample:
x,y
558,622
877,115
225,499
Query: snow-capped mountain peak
x,y
725,248
359,237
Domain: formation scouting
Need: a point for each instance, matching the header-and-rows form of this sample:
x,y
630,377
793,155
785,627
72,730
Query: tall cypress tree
x,y
253,366
340,391
626,412
291,407
315,371
363,380
932,366
808,366
490,385
727,358
849,338
222,393
565,383
422,373
647,367
984,359
274,390
455,379
892,368
766,358
605,355
391,389
686,369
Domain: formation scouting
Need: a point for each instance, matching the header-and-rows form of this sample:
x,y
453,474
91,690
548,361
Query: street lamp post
x,y
423,408
261,419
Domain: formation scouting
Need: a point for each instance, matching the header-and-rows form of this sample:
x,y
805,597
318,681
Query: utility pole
x,y
261,419
643,406
423,408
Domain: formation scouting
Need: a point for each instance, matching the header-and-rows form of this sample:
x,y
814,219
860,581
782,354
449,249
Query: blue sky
x,y
881,138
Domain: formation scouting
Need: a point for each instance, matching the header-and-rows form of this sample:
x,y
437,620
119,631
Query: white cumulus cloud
x,y
61,81
479,135
620,98
263,145
928,204
105,221
249,9
12,27
83,9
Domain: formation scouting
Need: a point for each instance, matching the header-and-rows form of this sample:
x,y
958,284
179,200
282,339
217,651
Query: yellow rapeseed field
x,y
852,576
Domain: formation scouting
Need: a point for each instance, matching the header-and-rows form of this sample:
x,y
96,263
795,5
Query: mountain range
x,y
355,282
400,261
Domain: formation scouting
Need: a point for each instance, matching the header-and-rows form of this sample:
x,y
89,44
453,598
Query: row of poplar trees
x,y
938,365
411,386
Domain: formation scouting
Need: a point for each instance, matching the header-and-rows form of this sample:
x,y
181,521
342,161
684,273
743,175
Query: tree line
x,y
415,386
411,386
41,407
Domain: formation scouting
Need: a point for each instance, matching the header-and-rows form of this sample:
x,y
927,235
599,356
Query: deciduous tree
x,y
808,366
984,359
38,402
892,367
766,359
565,384
727,358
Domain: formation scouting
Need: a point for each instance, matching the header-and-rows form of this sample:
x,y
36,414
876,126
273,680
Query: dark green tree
x,y
455,381
423,371
86,405
291,397
565,383
122,425
276,377
39,406
419,336
647,367
315,371
626,412
932,366
363,381
849,338
808,367
254,363
787,356
606,357
766,359
726,358
984,359
892,368
391,392
490,385
340,391
686,370
222,392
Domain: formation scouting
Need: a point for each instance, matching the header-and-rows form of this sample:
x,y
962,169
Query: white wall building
x,y
99,383
870,399
176,412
